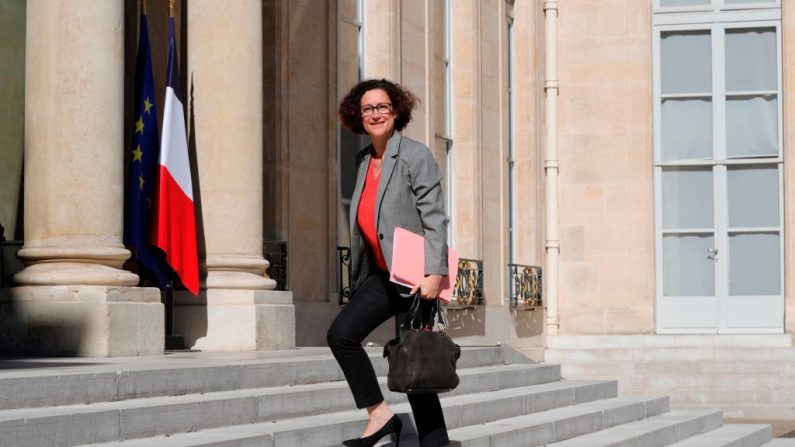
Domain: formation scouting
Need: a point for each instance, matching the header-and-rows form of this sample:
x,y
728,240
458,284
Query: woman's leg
x,y
429,418
366,310
428,414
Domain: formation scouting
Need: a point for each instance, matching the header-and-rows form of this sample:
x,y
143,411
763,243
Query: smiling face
x,y
377,125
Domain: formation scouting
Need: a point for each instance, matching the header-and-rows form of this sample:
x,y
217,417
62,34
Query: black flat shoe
x,y
393,425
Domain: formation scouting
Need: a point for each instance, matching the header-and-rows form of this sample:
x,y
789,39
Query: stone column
x,y
225,75
73,298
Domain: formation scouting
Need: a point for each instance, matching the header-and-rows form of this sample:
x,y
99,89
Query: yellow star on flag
x,y
141,182
147,105
137,154
139,125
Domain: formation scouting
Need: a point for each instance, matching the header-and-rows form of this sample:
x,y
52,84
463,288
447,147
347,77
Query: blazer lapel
x,y
357,191
387,168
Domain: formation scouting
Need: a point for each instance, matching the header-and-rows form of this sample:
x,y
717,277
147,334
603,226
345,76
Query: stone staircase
x,y
299,398
747,376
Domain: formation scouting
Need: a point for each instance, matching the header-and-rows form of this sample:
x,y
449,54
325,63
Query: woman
x,y
397,185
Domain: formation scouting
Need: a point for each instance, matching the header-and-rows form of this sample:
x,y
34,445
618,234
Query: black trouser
x,y
374,302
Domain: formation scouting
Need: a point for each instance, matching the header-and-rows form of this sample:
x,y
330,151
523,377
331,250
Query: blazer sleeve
x,y
426,185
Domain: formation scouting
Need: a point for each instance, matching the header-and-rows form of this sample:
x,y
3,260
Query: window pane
x,y
753,196
686,62
686,129
687,268
671,3
343,229
438,27
687,198
348,57
751,126
348,8
751,60
754,267
349,147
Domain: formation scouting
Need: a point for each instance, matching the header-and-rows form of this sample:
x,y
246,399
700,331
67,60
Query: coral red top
x,y
365,215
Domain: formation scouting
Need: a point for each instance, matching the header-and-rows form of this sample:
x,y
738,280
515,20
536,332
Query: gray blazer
x,y
409,196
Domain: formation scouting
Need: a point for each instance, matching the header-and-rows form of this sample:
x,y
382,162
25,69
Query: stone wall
x,y
606,156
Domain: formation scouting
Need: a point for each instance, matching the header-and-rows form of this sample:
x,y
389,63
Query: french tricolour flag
x,y
174,221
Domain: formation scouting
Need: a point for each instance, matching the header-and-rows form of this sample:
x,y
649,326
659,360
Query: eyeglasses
x,y
383,109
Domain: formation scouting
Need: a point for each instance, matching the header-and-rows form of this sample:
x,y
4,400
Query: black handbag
x,y
422,360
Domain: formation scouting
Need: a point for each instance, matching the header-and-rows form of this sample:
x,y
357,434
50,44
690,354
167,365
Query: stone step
x,y
731,435
682,381
780,442
746,388
702,366
662,430
662,354
746,382
49,382
330,429
752,411
162,415
656,341
765,397
561,423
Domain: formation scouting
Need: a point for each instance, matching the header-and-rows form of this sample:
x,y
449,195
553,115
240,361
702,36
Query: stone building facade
x,y
634,151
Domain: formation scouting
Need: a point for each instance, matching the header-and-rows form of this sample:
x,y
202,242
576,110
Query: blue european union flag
x,y
143,166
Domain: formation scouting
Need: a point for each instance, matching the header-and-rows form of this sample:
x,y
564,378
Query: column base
x,y
62,273
219,280
235,319
80,320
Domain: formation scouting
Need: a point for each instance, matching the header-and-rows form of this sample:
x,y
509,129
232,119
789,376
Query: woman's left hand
x,y
429,287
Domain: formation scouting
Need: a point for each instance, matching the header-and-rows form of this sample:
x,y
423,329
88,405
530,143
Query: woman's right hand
x,y
429,287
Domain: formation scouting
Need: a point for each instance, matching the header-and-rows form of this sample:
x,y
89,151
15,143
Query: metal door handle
x,y
713,253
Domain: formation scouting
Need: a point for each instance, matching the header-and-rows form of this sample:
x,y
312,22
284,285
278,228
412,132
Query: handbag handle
x,y
414,320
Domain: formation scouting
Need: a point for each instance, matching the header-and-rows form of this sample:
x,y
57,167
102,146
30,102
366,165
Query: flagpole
x,y
172,341
143,6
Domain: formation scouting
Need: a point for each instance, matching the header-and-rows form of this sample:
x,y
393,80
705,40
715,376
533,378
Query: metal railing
x,y
526,286
469,283
344,274
275,252
468,288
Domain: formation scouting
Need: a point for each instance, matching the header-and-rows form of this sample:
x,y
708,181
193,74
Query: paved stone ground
x,y
781,429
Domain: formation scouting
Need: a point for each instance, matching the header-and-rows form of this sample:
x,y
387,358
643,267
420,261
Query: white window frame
x,y
713,6
718,23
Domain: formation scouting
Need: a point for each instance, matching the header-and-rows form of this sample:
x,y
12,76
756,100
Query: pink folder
x,y
408,263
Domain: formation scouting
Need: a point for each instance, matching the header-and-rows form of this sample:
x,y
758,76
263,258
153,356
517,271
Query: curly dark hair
x,y
403,102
